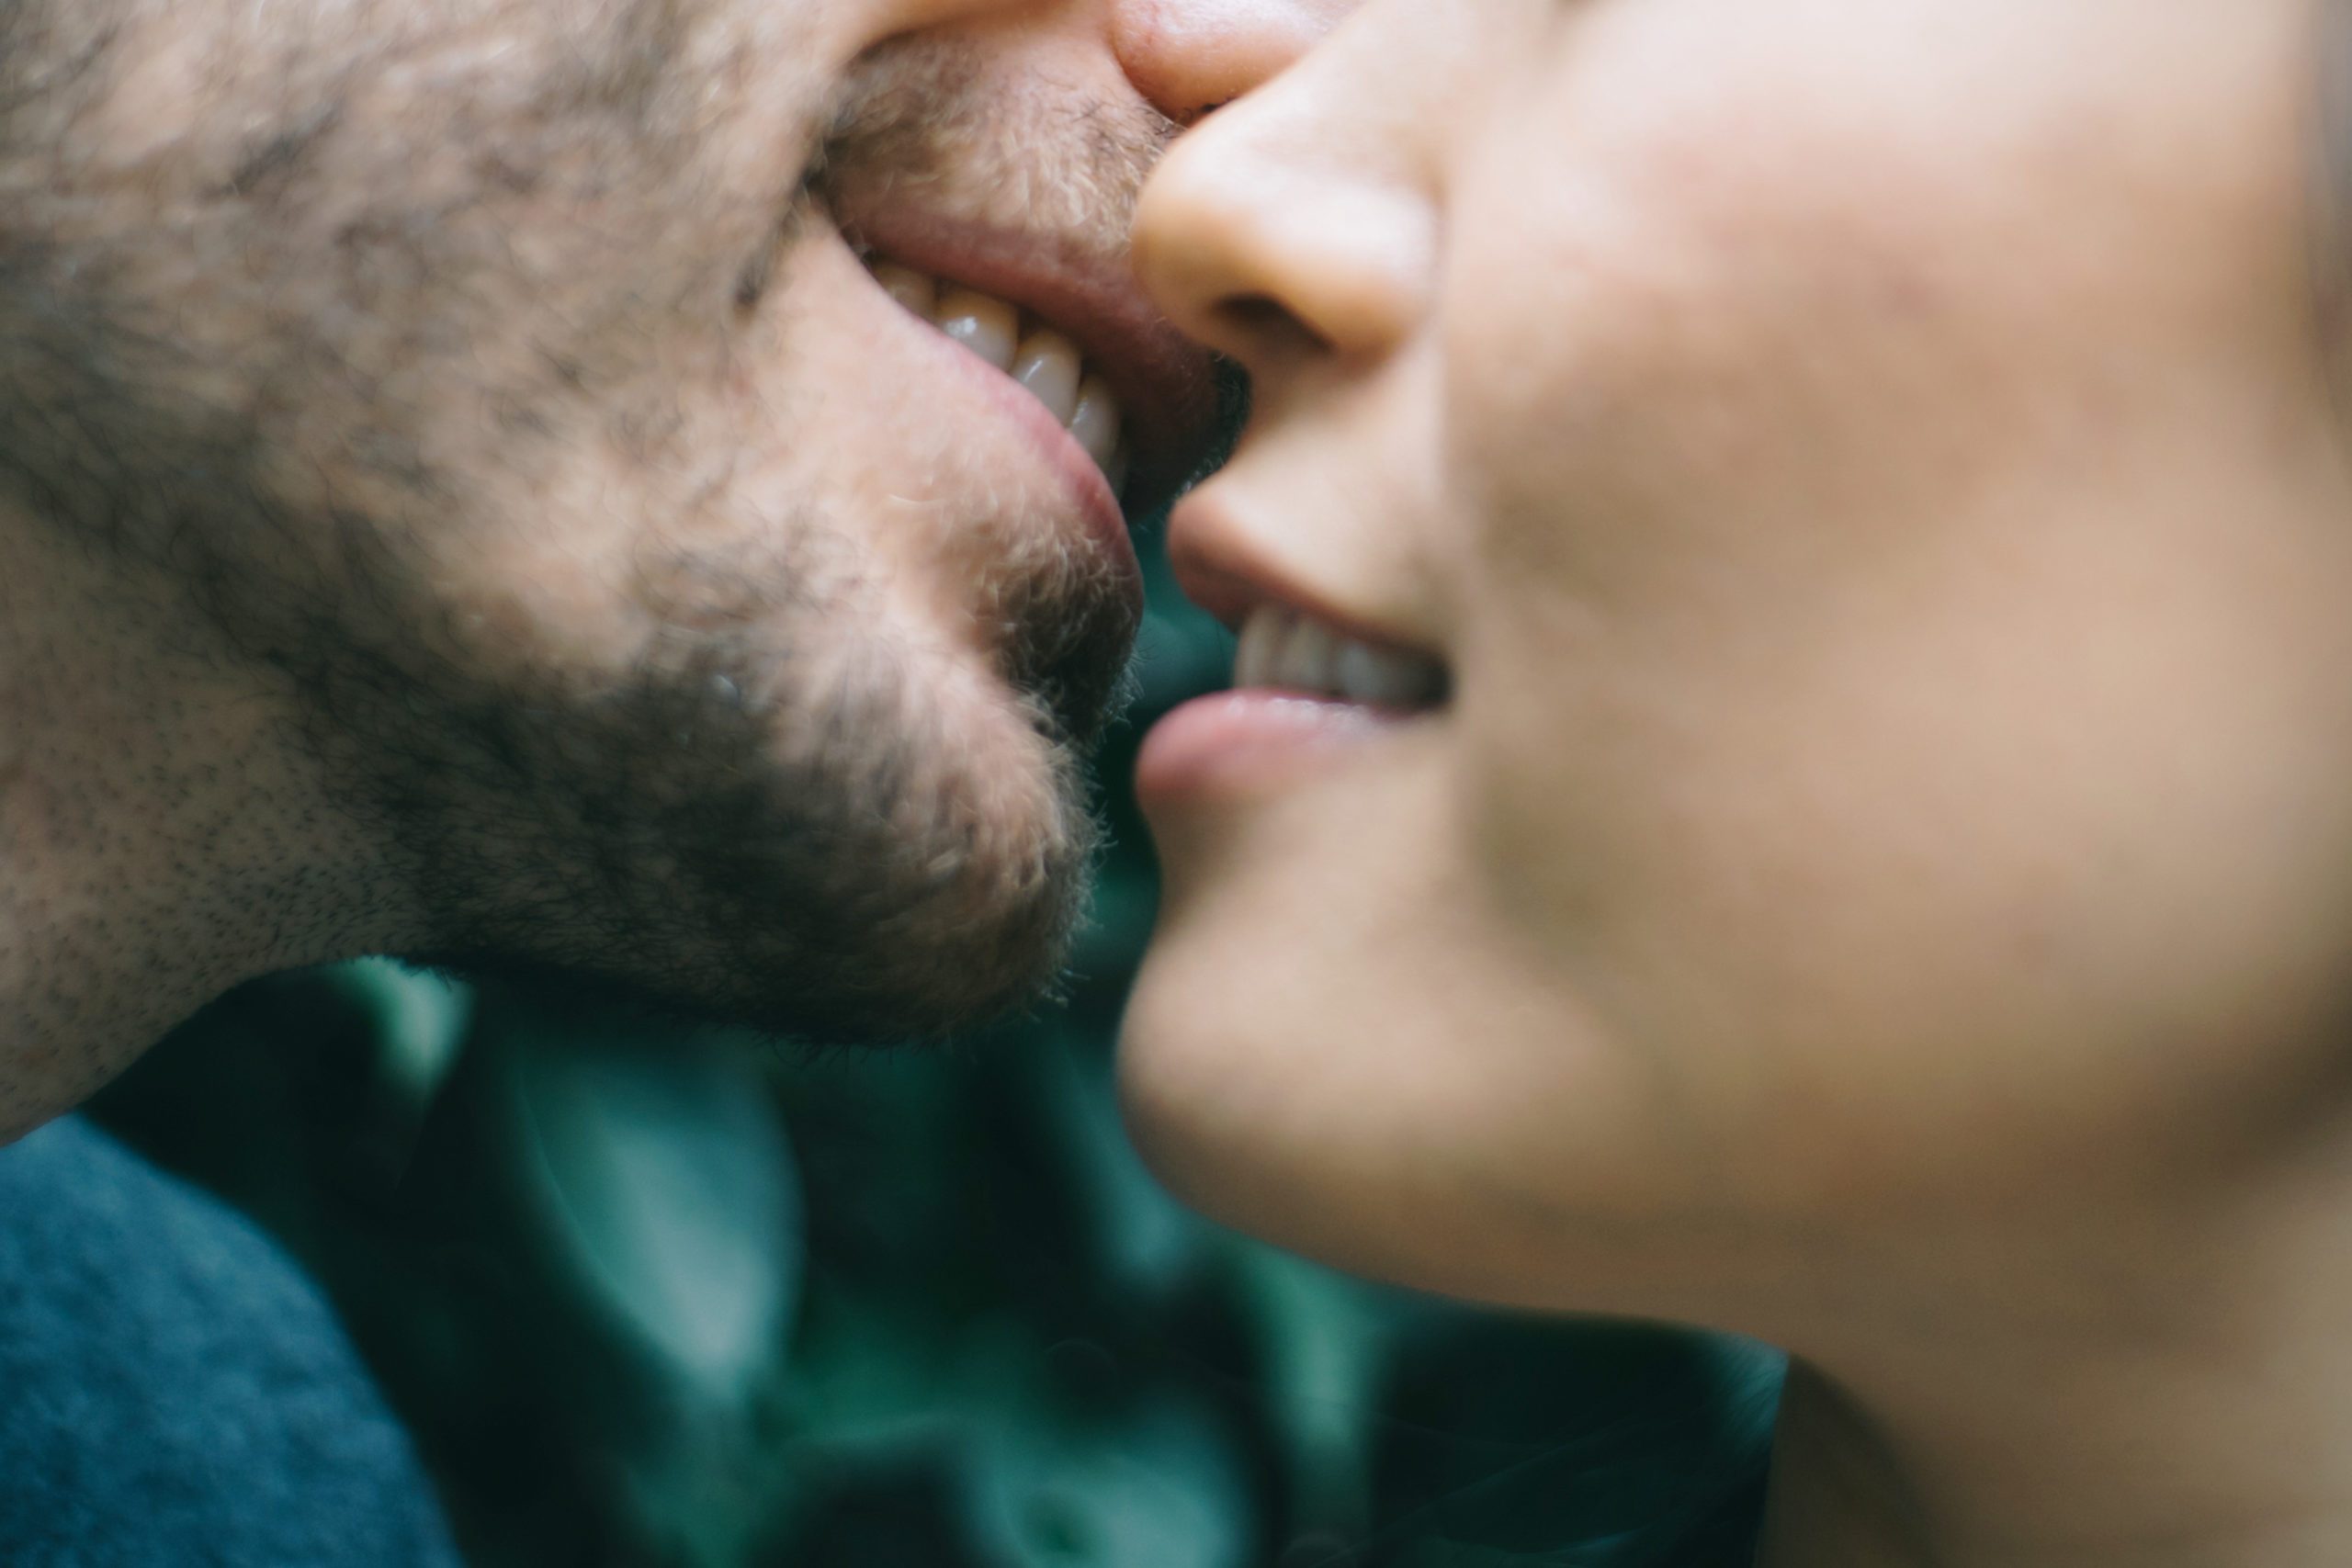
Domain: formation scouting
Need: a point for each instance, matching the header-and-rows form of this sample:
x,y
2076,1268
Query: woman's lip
x,y
1221,568
1238,742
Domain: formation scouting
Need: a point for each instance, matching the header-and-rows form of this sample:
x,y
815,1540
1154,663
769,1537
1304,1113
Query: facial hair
x,y
779,810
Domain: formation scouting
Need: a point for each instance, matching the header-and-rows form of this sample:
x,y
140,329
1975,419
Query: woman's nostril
x,y
1190,116
1257,312
1268,326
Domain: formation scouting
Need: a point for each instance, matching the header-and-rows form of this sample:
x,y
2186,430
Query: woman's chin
x,y
1291,1114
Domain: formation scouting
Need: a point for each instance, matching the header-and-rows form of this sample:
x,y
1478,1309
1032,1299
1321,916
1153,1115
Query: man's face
x,y
528,389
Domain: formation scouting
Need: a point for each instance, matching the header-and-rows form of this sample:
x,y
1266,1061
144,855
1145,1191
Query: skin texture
x,y
1881,881
460,496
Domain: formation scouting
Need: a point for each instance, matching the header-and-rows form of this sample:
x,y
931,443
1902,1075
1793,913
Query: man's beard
x,y
781,813
776,817
785,810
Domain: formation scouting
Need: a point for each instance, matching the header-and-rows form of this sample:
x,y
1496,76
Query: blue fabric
x,y
174,1392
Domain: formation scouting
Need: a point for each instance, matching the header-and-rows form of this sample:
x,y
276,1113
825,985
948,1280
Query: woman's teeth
x,y
1284,650
1040,359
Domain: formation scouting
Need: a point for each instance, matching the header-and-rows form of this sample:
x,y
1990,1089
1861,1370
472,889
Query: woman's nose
x,y
1191,56
1292,223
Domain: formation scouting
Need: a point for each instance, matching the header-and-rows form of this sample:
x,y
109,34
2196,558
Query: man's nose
x,y
1191,56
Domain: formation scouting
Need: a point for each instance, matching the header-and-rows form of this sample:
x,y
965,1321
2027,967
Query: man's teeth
x,y
1040,359
986,325
1095,421
1284,650
909,287
1047,364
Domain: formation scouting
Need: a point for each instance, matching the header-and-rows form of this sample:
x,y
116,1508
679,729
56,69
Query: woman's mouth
x,y
1286,650
1304,692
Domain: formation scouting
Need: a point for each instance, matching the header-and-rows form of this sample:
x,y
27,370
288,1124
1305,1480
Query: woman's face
x,y
1868,475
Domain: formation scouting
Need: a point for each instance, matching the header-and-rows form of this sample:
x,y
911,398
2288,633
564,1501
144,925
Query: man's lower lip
x,y
1098,507
1168,387
1238,743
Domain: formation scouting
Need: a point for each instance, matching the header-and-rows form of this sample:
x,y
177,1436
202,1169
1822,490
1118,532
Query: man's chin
x,y
929,975
894,855
898,957
785,1007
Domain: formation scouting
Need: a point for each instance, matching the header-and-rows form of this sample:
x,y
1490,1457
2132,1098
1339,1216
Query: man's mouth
x,y
1070,325
1039,358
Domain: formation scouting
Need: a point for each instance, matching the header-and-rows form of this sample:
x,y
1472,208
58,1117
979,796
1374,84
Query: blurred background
x,y
716,1302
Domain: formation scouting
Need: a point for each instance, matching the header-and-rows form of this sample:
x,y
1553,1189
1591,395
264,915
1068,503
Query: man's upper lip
x,y
1165,383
